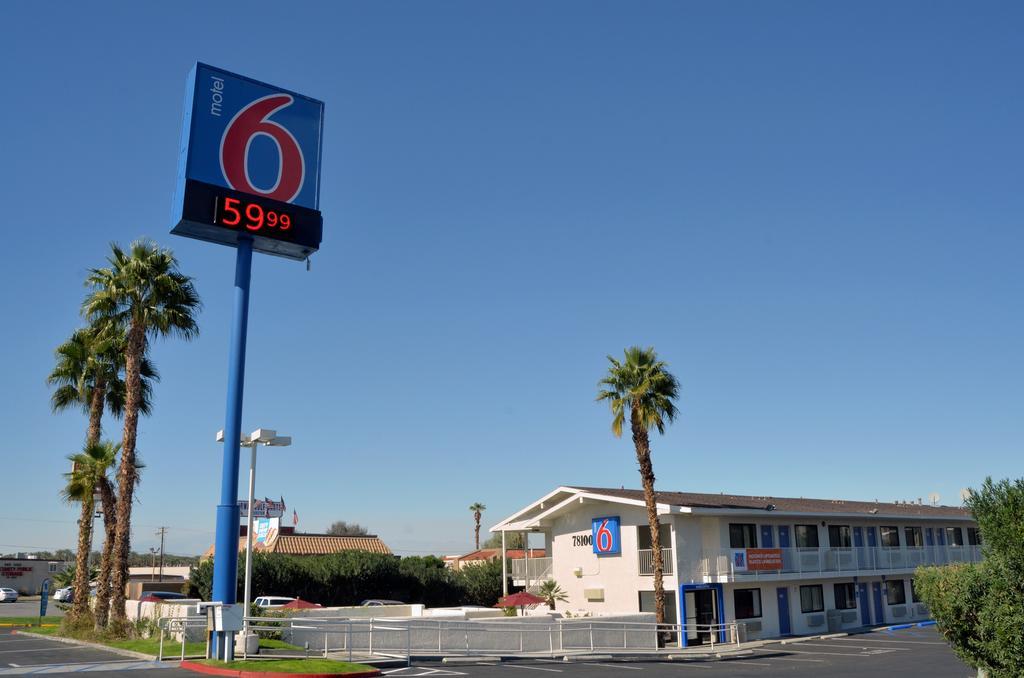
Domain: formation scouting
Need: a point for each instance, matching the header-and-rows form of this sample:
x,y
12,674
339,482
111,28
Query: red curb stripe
x,y
234,673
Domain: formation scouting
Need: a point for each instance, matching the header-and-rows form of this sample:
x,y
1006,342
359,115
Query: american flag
x,y
295,517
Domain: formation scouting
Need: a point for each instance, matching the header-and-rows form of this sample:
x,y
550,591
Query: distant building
x,y
296,544
26,575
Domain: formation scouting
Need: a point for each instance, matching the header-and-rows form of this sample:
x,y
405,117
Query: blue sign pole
x,y
225,561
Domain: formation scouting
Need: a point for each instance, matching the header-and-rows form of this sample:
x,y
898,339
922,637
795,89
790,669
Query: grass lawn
x,y
149,646
28,621
290,665
271,644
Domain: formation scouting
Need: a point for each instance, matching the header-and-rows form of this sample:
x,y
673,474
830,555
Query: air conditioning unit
x,y
921,609
899,610
815,620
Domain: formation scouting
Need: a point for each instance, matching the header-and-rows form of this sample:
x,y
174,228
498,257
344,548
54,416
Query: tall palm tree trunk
x,y
109,503
476,532
80,606
643,457
127,472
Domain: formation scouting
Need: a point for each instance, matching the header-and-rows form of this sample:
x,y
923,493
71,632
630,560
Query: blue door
x,y
784,628
865,606
766,537
928,538
783,536
858,537
876,590
941,534
871,538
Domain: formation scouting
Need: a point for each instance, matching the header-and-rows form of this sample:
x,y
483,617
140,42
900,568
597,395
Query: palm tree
x,y
552,593
88,467
143,292
642,387
87,374
478,509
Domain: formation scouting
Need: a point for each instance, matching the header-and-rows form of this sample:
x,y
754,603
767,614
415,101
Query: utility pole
x,y
161,532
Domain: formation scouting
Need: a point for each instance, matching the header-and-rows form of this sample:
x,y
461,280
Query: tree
x,y
340,528
143,293
88,467
979,607
87,374
478,509
552,593
642,388
513,540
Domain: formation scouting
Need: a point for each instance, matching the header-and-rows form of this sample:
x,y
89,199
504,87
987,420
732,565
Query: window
x,y
742,536
643,535
894,593
973,536
913,536
846,597
839,536
53,567
811,598
748,603
806,536
890,537
954,536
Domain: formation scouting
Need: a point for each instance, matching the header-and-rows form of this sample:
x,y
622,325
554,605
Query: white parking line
x,y
615,666
45,649
794,659
850,645
746,662
531,668
833,654
690,664
886,640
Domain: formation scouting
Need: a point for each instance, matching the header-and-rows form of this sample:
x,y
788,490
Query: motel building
x,y
779,566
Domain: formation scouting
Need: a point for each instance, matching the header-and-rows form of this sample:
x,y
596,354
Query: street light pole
x,y
269,438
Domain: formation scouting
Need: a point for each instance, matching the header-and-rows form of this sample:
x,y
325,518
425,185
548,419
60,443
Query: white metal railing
x,y
187,627
356,639
723,562
538,569
645,561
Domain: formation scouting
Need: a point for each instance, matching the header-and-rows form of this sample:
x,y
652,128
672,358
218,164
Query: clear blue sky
x,y
812,210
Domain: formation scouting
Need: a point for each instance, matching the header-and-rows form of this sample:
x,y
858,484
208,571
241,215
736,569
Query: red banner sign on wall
x,y
764,559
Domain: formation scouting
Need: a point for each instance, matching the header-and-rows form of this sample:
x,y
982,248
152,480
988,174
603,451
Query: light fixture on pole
x,y
268,438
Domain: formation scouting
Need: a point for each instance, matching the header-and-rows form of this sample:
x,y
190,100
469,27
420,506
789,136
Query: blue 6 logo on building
x,y
606,535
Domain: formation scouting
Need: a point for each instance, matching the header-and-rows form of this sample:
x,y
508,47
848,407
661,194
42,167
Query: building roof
x,y
542,511
785,504
313,544
490,554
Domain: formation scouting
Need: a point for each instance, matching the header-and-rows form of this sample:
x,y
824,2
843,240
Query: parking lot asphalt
x,y
29,608
20,654
910,652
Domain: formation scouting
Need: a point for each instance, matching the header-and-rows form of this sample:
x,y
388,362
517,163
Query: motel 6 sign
x,y
249,164
606,536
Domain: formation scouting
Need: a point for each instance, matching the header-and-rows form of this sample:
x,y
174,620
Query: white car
x,y
8,595
272,601
63,595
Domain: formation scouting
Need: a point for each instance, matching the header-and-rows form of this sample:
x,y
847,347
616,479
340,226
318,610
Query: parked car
x,y
267,602
8,595
159,596
375,602
64,595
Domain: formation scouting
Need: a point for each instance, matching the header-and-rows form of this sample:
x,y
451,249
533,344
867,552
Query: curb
x,y
235,673
570,658
84,643
470,660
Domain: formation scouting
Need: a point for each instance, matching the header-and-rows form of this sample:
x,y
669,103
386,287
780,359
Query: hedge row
x,y
350,577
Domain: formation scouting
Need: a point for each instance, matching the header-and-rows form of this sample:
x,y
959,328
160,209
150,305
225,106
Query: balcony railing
x,y
539,569
646,562
740,564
